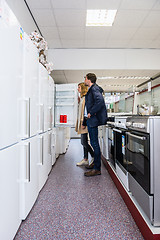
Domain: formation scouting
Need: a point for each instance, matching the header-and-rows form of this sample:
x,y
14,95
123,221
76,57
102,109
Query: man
x,y
96,116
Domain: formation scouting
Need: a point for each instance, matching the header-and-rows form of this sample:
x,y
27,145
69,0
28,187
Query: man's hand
x,y
89,115
83,127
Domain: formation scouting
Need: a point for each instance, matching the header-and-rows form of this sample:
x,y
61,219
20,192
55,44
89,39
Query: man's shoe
x,y
83,163
90,166
92,172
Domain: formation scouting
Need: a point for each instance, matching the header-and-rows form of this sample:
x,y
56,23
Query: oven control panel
x,y
138,123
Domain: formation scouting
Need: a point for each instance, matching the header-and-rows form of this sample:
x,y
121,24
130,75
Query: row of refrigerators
x,y
24,169
31,135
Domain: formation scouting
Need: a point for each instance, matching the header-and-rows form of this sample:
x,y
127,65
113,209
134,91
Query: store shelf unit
x,y
66,102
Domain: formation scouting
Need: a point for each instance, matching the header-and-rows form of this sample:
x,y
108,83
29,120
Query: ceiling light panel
x,y
100,17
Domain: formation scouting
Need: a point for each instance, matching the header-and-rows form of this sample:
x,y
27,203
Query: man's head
x,y
90,79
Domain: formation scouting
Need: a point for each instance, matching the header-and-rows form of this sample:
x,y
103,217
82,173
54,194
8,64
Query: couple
x,y
92,113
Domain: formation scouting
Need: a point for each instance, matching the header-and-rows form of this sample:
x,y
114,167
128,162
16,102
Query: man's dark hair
x,y
92,77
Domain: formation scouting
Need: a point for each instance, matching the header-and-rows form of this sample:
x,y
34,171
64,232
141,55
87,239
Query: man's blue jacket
x,y
95,105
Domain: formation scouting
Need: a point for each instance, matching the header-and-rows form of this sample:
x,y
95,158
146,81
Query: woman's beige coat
x,y
80,117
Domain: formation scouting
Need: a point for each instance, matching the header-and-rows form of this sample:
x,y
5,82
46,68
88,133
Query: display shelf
x,y
58,124
59,97
65,89
64,104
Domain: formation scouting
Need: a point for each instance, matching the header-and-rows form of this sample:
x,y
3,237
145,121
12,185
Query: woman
x,y
82,89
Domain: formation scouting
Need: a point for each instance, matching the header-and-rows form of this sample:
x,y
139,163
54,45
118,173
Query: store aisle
x,y
71,206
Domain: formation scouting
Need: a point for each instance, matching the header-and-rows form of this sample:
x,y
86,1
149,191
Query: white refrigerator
x,y
46,123
11,46
28,180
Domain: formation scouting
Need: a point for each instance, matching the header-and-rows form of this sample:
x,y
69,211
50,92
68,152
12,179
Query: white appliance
x,y
29,179
26,108
45,123
29,102
11,46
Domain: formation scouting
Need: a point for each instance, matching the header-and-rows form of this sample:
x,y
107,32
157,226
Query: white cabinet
x,y
29,185
9,189
66,104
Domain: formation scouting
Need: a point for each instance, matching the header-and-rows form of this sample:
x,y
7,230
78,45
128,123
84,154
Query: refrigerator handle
x,y
28,167
27,117
50,118
41,118
41,149
49,144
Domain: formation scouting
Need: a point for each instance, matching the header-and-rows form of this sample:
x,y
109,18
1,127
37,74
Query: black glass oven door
x,y
137,154
120,143
111,146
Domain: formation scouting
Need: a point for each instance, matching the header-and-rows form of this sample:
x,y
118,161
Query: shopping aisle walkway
x,y
71,206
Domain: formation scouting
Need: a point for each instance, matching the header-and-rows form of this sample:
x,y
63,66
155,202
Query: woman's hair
x,y
84,89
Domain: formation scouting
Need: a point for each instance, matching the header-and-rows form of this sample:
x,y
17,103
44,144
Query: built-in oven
x,y
142,154
138,158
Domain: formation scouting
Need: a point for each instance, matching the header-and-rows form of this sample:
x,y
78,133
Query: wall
x,y
78,59
21,11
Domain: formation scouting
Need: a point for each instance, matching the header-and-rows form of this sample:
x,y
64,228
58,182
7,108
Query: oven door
x,y
138,160
111,145
120,142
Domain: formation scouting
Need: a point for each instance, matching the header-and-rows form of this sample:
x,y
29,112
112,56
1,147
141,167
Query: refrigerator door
x,y
11,45
28,175
66,104
43,99
29,126
43,161
9,189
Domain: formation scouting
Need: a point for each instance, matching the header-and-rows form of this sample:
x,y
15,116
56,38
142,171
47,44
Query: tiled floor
x,y
72,206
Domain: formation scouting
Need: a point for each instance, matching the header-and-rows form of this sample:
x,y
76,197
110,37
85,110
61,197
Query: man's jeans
x,y
93,134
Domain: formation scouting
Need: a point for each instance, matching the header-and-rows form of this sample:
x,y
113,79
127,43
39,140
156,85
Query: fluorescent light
x,y
101,17
124,77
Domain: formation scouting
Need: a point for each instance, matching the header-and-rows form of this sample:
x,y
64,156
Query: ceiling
x,y
136,26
